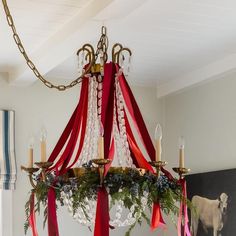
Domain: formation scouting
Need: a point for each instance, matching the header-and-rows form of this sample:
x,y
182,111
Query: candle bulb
x,y
31,153
181,151
158,138
101,142
43,145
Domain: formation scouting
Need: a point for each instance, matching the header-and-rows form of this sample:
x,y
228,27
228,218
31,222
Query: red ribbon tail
x,y
102,214
157,219
183,212
32,220
52,215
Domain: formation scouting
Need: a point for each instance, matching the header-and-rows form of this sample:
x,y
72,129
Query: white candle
x,y
181,151
43,145
31,153
158,138
101,147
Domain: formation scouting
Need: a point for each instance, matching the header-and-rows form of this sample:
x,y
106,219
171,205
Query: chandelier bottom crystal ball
x,y
97,169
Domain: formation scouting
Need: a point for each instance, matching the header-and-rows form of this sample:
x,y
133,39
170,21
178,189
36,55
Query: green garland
x,y
128,186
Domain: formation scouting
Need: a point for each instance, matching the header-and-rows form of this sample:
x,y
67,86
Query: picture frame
x,y
213,195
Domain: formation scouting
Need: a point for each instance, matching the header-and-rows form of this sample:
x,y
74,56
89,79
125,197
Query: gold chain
x,y
32,66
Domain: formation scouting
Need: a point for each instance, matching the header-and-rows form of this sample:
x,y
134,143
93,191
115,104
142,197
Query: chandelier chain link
x,y
101,46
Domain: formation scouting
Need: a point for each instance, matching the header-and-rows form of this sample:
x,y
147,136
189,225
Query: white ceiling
x,y
175,43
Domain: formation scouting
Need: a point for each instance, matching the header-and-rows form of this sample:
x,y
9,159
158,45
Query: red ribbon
x,y
102,218
157,220
32,220
108,91
70,133
82,124
52,216
183,211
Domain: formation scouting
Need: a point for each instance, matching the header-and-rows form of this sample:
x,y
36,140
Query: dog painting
x,y
213,196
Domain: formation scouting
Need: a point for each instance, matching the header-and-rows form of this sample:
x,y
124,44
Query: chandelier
x,y
97,169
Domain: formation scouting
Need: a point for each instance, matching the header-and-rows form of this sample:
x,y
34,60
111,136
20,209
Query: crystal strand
x,y
99,108
81,63
95,122
90,121
90,124
118,141
117,145
100,85
86,145
121,62
122,127
129,64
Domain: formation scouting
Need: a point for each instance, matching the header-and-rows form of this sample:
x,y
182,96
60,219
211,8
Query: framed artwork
x,y
213,195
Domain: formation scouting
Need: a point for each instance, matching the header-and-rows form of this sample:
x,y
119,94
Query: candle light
x,y
101,142
43,144
158,138
181,151
31,153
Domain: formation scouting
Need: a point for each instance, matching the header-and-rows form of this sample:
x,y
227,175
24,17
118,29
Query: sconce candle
x,y
158,138
181,151
31,153
43,145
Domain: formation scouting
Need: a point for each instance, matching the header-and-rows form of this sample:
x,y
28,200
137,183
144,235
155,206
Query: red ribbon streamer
x,y
102,214
73,133
108,91
102,218
82,124
157,220
183,211
32,220
52,216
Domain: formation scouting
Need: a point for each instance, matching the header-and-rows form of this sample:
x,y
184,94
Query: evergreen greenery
x,y
127,185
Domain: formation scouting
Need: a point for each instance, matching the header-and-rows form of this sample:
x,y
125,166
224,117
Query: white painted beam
x,y
81,29
3,76
206,73
61,45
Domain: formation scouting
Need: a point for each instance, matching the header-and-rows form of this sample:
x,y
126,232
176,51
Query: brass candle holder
x,y
158,165
101,167
30,171
181,171
43,166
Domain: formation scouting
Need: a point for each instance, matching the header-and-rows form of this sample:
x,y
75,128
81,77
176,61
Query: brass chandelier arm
x,y
117,52
30,63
